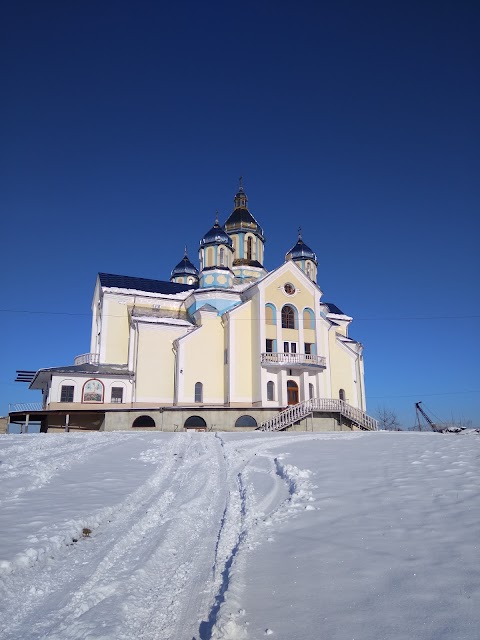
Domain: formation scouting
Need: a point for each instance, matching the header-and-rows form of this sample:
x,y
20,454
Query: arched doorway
x,y
292,392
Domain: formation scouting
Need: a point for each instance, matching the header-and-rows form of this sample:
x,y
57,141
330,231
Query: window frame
x,y
116,400
270,391
198,394
71,389
288,317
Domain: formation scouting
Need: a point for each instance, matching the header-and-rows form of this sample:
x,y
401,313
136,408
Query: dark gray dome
x,y
216,235
242,220
301,252
184,268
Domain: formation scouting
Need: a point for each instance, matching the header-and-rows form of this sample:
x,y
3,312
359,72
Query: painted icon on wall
x,y
93,391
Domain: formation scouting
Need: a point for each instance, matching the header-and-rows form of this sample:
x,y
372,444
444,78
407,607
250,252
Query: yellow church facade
x,y
226,346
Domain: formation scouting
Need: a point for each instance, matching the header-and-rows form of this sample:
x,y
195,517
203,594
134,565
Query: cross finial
x,y
216,218
299,233
240,182
186,255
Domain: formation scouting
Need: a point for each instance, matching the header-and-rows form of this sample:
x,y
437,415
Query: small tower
x,y
216,258
185,272
248,239
304,257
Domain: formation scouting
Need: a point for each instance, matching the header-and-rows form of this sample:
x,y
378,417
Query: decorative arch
x,y
195,422
144,422
246,421
289,317
270,313
270,390
117,392
308,318
93,391
341,394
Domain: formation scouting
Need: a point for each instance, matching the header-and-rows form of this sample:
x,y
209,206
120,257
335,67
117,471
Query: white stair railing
x,y
297,412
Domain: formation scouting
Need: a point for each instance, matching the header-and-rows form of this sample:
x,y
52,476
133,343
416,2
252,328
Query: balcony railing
x,y
293,360
87,358
297,412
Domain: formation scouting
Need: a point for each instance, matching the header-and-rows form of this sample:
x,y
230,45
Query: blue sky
x,y
126,125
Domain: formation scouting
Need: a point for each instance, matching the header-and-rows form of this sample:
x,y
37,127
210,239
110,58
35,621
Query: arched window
x,y
194,422
270,314
270,390
288,317
308,319
309,270
341,394
198,392
249,248
222,257
246,421
143,421
311,391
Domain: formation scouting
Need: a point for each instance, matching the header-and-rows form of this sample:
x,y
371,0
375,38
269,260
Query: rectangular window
x,y
308,348
293,347
269,346
286,347
117,395
66,394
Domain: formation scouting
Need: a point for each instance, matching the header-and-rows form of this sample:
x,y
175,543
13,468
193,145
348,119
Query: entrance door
x,y
292,392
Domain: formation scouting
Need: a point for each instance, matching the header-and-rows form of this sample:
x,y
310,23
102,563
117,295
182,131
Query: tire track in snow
x,y
47,596
222,620
53,453
154,580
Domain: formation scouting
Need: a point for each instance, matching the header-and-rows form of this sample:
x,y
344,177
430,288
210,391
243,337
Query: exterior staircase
x,y
297,412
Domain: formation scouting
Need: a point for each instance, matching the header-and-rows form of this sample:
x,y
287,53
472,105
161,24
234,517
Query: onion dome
x,y
301,251
241,219
184,268
216,235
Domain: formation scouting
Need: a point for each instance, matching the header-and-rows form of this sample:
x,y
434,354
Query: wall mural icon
x,y
93,391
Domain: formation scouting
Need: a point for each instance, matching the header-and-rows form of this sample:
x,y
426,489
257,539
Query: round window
x,y
289,289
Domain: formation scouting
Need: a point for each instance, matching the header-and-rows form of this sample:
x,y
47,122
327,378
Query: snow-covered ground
x,y
123,536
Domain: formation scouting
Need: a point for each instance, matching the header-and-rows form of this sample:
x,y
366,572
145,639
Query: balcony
x,y
87,358
293,360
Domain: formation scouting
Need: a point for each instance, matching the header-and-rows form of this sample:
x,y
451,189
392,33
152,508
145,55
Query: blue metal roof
x,y
216,235
332,308
142,284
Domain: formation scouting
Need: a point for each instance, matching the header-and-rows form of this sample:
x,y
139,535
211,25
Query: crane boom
x,y
430,422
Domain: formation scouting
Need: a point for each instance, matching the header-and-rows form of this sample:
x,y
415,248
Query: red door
x,y
292,392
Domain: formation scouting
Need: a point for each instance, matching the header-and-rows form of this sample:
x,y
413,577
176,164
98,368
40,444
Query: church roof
x,y
241,218
142,284
301,251
332,308
216,235
184,268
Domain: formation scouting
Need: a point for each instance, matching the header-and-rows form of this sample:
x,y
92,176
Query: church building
x,y
222,347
